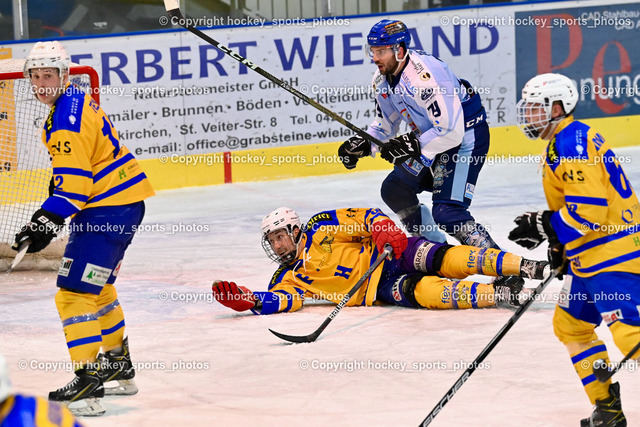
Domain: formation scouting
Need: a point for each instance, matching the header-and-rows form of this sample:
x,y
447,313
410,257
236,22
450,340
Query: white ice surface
x,y
207,365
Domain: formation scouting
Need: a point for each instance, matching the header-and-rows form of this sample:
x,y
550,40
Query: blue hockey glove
x,y
398,150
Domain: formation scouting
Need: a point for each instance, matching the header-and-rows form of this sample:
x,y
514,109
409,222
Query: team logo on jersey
x,y
439,174
72,119
65,266
326,243
425,76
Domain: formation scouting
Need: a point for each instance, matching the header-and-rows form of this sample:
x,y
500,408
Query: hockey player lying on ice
x,y
325,258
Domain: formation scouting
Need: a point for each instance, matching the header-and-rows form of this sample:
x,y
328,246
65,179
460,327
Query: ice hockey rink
x,y
201,364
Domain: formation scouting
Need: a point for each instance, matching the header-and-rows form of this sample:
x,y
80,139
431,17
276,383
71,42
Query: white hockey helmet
x,y
281,218
47,55
5,384
533,111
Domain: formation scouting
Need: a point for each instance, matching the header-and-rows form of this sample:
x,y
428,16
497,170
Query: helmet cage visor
x,y
288,245
533,117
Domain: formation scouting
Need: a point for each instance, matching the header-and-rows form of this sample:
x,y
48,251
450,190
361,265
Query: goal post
x,y
25,164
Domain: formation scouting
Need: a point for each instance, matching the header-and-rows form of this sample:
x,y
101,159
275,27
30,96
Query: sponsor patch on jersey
x,y
611,316
469,190
95,275
426,93
65,266
564,299
117,269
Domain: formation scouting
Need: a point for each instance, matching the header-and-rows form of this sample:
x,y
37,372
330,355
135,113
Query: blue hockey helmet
x,y
388,33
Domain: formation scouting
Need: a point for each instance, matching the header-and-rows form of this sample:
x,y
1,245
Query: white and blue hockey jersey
x,y
429,97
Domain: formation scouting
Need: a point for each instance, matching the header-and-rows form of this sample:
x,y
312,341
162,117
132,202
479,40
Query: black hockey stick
x,y
485,352
173,10
601,370
314,335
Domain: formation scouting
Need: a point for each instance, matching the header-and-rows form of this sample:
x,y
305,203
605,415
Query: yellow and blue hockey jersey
x,y
337,250
597,214
91,167
18,411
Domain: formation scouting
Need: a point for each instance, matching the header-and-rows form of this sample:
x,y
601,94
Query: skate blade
x,y
89,407
124,388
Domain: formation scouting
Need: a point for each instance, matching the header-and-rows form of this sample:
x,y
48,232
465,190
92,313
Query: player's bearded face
x,y
47,84
385,59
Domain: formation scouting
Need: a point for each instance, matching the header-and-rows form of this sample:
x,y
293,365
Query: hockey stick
x,y
601,370
485,352
22,250
173,10
314,335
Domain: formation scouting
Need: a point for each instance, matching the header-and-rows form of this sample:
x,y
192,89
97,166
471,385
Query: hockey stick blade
x,y
315,334
173,10
22,250
485,352
601,369
294,338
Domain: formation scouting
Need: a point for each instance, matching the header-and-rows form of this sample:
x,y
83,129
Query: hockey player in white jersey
x,y
447,145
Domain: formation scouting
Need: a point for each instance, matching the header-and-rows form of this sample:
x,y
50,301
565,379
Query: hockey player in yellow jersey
x,y
100,185
325,258
592,225
18,410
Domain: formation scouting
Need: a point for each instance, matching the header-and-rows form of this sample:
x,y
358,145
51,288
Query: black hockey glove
x,y
43,227
353,149
556,256
398,150
533,229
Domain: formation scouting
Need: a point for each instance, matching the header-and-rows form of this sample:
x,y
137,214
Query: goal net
x,y
25,165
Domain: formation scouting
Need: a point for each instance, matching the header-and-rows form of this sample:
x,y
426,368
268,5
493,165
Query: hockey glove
x,y
44,226
532,229
233,296
353,149
556,256
386,231
398,150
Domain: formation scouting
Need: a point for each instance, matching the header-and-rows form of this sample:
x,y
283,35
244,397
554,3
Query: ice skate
x,y
607,412
118,367
82,395
506,291
534,269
